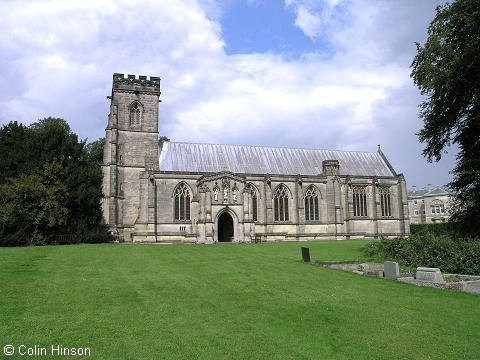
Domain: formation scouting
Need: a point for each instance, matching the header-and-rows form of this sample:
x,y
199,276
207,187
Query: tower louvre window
x,y
136,113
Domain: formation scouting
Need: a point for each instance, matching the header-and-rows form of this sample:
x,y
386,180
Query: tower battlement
x,y
131,83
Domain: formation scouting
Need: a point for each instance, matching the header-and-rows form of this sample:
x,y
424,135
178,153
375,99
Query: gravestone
x,y
391,270
306,254
429,274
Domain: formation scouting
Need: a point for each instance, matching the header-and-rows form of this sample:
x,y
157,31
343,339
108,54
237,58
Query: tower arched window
x,y
280,203
136,113
182,202
311,204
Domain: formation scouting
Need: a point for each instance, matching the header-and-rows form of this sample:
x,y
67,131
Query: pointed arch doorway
x,y
225,228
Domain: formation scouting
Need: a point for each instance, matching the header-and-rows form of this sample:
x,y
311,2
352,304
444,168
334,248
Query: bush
x,y
447,252
446,228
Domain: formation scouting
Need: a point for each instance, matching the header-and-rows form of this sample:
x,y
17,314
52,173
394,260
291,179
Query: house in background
x,y
429,205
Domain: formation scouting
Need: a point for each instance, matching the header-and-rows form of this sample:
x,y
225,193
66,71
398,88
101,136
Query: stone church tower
x,y
131,147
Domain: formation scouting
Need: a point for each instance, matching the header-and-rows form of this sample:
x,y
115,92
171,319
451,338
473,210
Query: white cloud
x,y
58,58
313,17
309,23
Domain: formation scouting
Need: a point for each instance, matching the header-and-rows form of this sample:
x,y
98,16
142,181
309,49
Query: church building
x,y
164,191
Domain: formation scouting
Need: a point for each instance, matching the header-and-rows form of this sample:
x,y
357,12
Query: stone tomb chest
x,y
429,274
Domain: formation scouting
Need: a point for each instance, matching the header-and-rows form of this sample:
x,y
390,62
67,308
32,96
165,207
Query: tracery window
x,y
311,204
359,200
182,202
136,113
280,203
249,187
254,207
385,204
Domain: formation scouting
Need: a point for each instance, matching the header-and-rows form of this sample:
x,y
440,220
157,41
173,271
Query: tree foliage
x,y
447,71
50,185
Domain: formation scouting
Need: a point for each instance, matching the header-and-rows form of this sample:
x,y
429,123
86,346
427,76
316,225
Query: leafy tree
x,y
33,207
50,184
447,71
13,136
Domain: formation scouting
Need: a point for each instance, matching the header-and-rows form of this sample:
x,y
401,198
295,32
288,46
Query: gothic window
x,y
182,202
254,206
311,204
280,203
136,113
252,190
359,200
385,201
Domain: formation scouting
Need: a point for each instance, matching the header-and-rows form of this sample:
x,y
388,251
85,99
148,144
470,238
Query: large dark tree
x,y
50,185
447,71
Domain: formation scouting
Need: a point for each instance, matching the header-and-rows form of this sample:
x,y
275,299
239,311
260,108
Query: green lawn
x,y
251,301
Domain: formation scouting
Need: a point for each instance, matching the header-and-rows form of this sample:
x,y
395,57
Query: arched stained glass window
x,y
182,202
280,203
311,204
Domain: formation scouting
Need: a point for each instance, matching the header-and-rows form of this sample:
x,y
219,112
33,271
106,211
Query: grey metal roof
x,y
242,159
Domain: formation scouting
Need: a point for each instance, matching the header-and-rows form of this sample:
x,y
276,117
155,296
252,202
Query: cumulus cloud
x,y
308,22
62,54
58,58
314,17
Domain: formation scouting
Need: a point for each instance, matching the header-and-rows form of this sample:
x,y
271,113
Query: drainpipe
x,y
335,206
152,179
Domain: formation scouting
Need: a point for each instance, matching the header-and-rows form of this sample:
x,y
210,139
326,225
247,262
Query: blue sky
x,y
329,74
264,26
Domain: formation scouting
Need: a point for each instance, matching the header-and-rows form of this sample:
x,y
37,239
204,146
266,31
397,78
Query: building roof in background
x,y
241,159
431,191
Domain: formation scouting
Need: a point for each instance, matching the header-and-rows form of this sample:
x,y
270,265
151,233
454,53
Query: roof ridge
x,y
274,147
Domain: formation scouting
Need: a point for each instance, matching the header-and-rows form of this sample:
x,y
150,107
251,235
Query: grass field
x,y
251,301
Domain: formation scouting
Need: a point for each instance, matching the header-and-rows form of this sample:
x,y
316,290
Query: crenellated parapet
x,y
132,84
